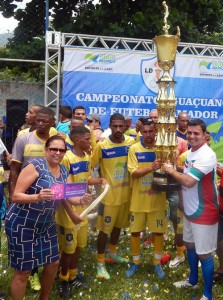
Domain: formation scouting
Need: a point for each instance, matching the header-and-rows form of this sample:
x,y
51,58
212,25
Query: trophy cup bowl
x,y
166,46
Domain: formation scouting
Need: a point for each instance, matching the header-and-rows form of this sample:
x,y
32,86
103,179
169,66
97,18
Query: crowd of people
x,y
43,232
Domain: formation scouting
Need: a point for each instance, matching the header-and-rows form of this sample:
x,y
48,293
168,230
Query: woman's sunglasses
x,y
55,150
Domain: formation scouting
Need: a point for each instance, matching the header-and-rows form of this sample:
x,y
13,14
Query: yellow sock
x,y
112,249
158,248
100,258
180,251
72,274
135,245
64,277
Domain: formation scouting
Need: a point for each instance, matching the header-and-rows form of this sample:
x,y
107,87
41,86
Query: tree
x,y
199,20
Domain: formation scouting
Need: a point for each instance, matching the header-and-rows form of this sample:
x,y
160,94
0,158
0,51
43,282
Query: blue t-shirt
x,y
63,127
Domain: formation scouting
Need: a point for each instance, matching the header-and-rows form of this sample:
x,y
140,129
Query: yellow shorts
x,y
70,238
180,221
156,221
82,236
67,239
112,216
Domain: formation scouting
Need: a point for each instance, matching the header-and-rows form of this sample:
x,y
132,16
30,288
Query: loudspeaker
x,y
15,112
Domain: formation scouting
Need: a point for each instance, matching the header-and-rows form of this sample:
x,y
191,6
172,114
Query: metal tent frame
x,y
56,41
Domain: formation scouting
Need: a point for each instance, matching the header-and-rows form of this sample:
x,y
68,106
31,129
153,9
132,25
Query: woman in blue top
x,y
30,222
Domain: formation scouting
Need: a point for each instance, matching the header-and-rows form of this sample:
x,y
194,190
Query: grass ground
x,y
144,285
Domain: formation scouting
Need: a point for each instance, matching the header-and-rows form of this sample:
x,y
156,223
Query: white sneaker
x,y
185,284
176,261
204,298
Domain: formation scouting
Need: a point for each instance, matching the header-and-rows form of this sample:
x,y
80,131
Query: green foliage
x,y
143,19
20,71
30,73
7,74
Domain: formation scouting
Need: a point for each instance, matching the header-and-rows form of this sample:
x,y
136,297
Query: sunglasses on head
x,y
55,150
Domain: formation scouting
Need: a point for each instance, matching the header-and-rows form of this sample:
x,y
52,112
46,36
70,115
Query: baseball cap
x,y
93,117
127,118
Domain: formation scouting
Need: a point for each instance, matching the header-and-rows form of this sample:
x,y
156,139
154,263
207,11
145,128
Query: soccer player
x,y
200,207
77,162
31,120
172,196
113,211
182,122
80,111
74,122
147,206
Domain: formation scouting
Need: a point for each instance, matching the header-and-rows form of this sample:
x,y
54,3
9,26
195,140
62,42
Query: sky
x,y
9,24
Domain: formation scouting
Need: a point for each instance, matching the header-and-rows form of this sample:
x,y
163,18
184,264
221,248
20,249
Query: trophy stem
x,y
166,142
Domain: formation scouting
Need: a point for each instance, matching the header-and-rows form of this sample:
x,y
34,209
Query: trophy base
x,y
164,182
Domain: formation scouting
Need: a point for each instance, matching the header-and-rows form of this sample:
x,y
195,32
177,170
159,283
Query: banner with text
x,y
109,81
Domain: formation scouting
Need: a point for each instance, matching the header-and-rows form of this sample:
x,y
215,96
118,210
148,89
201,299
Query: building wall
x,y
17,90
32,91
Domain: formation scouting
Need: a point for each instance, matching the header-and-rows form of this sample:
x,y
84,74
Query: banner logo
x,y
211,68
213,65
101,58
151,73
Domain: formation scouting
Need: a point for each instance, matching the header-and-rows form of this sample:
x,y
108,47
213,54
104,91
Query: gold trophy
x,y
166,140
166,46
